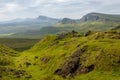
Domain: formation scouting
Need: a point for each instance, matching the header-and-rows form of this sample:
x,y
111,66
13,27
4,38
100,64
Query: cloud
x,y
2,16
10,9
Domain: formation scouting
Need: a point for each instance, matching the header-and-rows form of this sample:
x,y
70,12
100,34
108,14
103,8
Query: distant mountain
x,y
42,25
47,19
100,17
12,21
67,21
89,18
38,20
21,25
92,21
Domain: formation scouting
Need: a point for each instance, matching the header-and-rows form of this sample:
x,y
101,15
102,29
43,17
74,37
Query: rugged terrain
x,y
67,56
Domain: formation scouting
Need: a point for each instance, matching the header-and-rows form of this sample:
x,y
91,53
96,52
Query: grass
x,y
44,58
6,55
106,66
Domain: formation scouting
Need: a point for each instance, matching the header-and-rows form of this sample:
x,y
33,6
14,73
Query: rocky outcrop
x,y
68,34
72,65
85,69
87,33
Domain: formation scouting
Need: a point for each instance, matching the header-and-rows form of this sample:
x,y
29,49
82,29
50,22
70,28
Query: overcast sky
x,y
11,9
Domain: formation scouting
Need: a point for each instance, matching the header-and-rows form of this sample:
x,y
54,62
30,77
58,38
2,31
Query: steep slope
x,y
7,57
96,55
6,51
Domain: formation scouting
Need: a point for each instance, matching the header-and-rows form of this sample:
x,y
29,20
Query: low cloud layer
x,y
11,9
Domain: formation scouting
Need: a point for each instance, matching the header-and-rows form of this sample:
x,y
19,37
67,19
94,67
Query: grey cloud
x,y
55,8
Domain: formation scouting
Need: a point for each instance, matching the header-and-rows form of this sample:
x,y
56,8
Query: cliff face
x,y
100,17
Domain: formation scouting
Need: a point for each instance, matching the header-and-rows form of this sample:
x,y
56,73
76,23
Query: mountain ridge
x,y
41,17
100,17
91,21
26,24
46,17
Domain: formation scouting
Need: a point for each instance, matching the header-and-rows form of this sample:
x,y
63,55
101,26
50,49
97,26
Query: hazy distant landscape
x,y
38,27
68,40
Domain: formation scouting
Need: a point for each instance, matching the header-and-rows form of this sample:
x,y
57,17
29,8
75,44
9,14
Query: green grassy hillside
x,y
7,57
97,25
71,56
